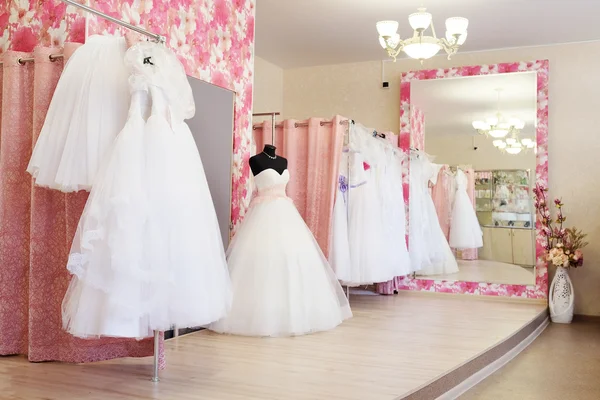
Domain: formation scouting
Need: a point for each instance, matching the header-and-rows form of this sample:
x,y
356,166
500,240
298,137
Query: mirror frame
x,y
411,137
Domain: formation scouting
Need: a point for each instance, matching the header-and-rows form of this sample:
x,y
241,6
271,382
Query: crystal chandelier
x,y
420,46
498,127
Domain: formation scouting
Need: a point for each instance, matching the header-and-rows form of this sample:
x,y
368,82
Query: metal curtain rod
x,y
155,36
266,114
52,57
302,124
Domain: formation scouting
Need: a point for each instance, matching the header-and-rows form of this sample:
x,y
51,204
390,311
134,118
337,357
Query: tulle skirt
x,y
147,253
339,253
465,232
87,111
440,259
282,283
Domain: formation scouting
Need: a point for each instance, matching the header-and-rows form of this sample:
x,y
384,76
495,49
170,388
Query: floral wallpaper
x,y
214,40
540,289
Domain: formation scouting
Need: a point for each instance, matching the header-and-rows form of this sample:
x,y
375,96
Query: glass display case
x,y
504,198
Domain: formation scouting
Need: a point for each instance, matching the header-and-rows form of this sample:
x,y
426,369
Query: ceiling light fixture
x,y
420,46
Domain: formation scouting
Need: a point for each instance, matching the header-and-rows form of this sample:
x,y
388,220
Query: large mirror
x,y
479,133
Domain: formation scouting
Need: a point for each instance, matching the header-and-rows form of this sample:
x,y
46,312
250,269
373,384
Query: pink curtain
x,y
36,228
470,254
442,198
313,154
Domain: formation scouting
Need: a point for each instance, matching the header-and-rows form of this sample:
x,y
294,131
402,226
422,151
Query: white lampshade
x,y
420,20
498,133
457,25
513,150
492,121
480,126
461,38
526,141
498,143
387,28
511,141
517,123
530,145
422,51
502,145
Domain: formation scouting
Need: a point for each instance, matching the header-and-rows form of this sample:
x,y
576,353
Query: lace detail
x,y
76,263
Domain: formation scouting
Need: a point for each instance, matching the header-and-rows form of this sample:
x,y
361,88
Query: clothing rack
x,y
272,115
53,57
300,124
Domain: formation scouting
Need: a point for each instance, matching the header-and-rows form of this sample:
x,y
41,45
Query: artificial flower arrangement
x,y
563,245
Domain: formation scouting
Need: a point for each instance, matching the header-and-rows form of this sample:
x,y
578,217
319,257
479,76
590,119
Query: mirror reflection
x,y
479,133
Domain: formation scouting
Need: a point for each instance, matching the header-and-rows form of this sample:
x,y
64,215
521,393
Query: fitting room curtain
x,y
469,254
442,194
313,153
36,228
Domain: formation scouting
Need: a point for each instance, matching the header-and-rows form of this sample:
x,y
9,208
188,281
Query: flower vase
x,y
562,297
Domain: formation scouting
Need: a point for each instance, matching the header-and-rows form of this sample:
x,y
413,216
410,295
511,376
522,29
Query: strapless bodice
x,y
270,184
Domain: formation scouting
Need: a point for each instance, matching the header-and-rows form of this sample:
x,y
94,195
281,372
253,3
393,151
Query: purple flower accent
x,y
343,184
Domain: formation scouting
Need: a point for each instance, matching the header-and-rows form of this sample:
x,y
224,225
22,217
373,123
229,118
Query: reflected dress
x,y
430,253
148,253
465,232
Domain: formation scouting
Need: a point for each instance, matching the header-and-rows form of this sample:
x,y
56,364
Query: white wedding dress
x,y
148,253
465,232
87,111
369,223
282,283
429,251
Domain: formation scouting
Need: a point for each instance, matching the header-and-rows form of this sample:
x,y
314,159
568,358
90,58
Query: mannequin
x,y
267,159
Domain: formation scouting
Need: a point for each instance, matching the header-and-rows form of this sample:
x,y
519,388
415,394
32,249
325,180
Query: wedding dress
x,y
465,232
87,111
282,282
374,208
148,253
429,251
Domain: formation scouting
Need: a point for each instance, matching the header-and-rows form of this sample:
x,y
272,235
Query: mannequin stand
x,y
156,355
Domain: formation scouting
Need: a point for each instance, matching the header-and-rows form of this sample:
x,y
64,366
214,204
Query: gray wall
x,y
212,128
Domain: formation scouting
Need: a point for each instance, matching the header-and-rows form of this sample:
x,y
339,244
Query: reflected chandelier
x,y
498,127
420,46
512,145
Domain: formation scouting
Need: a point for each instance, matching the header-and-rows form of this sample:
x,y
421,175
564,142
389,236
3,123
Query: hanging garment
x,y
282,282
430,253
376,217
148,253
465,232
88,109
339,254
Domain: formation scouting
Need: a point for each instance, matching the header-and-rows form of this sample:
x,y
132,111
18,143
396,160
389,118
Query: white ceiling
x,y
297,33
451,105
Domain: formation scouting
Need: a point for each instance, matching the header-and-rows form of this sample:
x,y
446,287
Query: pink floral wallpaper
x,y
417,128
541,67
214,40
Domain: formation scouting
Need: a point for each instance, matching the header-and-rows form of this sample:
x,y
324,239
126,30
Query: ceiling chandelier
x,y
420,46
497,126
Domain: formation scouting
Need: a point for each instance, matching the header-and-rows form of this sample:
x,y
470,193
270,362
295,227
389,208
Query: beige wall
x,y
459,150
268,87
354,90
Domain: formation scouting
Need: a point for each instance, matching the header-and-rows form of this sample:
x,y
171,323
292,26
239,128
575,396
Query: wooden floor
x,y
392,346
488,271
